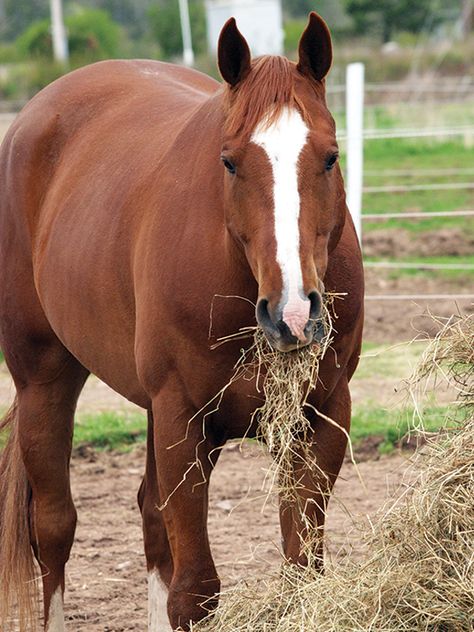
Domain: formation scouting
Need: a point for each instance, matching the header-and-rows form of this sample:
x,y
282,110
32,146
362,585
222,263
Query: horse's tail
x,y
17,570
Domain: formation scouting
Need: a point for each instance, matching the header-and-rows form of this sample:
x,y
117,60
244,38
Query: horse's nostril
x,y
264,319
262,311
316,304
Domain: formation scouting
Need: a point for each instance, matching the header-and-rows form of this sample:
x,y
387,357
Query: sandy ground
x,y
106,577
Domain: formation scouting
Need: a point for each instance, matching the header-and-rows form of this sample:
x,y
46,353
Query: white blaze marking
x,y
283,142
56,612
157,600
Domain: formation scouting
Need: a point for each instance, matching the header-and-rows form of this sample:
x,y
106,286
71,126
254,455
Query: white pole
x,y
188,55
60,47
355,142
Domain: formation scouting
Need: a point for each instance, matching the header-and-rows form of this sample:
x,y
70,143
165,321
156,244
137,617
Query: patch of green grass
x,y
110,430
391,425
394,362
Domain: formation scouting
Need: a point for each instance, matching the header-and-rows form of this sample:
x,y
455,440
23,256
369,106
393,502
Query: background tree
x,y
386,17
92,35
165,25
19,14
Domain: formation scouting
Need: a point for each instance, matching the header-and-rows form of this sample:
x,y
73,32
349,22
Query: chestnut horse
x,y
134,193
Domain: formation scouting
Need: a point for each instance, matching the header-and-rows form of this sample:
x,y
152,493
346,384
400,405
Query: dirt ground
x,y
106,576
391,321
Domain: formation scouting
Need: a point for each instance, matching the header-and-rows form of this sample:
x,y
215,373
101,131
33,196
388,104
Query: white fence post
x,y
60,47
188,54
355,142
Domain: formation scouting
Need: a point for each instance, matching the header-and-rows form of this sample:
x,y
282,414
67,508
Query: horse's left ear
x,y
315,48
233,54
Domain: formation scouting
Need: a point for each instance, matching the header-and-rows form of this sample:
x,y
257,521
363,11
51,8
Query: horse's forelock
x,y
261,97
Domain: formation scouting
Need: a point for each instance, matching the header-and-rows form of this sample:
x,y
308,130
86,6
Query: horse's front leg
x,y
185,455
316,470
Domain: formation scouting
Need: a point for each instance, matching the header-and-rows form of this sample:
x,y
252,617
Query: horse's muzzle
x,y
277,331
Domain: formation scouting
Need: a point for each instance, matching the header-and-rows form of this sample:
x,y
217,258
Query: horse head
x,y
284,194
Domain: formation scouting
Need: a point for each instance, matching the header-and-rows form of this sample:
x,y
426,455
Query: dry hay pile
x,y
419,572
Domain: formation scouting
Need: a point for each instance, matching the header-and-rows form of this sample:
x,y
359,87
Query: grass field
x,y
417,155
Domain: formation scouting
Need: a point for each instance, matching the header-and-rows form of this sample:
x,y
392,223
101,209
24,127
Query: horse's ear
x,y
233,54
315,48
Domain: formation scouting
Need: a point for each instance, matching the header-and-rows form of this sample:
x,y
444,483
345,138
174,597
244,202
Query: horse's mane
x,y
262,95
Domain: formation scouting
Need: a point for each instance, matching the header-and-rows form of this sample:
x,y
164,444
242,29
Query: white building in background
x,y
261,23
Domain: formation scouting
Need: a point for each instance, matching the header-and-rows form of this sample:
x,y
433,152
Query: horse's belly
x,y
90,309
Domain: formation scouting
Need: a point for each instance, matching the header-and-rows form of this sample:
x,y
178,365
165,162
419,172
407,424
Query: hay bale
x,y
419,572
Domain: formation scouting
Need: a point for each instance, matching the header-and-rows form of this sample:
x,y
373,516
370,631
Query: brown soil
x,y
391,321
397,320
106,576
403,243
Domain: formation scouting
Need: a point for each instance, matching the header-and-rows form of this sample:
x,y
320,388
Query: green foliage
x,y
332,11
91,33
165,26
385,17
36,40
299,8
293,30
30,78
8,53
19,14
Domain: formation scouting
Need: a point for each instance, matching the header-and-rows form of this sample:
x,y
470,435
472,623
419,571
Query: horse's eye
x,y
331,161
229,165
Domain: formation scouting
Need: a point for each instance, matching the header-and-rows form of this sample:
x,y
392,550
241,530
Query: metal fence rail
x,y
418,265
411,132
417,215
419,297
404,188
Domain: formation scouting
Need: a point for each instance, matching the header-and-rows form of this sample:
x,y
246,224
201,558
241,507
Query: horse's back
x,y
137,102
108,95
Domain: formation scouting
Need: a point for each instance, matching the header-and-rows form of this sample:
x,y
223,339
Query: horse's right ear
x,y
315,48
233,54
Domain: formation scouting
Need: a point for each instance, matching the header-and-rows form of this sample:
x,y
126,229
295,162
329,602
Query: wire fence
x,y
466,131
404,188
417,215
398,98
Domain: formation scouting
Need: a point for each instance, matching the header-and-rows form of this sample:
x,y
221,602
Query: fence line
x,y
419,297
385,134
418,214
419,265
445,87
402,188
402,173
